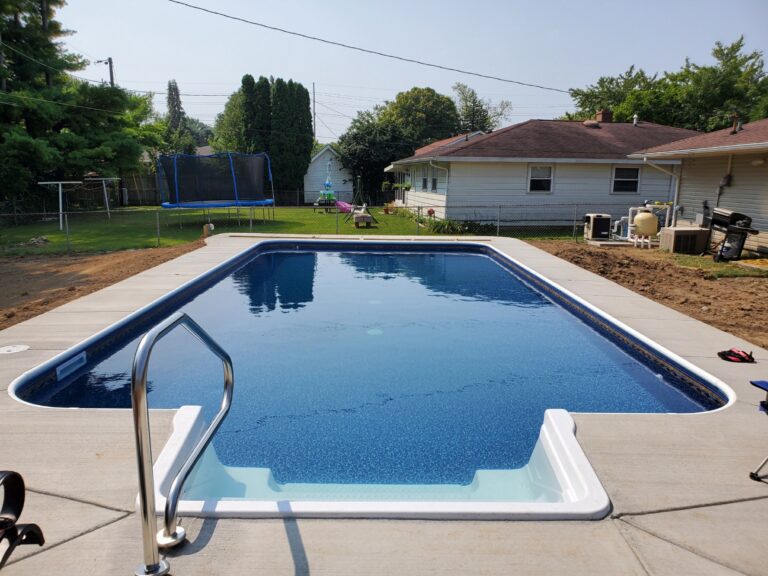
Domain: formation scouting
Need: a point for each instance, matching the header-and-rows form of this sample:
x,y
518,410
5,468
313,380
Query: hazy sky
x,y
557,43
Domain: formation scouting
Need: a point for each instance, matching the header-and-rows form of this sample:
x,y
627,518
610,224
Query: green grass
x,y
137,228
714,269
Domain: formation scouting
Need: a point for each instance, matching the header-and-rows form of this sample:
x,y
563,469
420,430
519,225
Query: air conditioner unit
x,y
684,240
597,226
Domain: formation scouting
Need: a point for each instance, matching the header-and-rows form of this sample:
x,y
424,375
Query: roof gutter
x,y
752,147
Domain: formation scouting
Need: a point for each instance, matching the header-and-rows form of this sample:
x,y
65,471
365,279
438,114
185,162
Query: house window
x,y
625,180
434,179
540,179
424,178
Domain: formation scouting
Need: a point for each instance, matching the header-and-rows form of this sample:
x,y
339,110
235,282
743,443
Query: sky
x,y
556,43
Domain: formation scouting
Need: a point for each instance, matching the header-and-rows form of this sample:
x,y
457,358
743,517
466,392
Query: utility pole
x,y
108,62
314,113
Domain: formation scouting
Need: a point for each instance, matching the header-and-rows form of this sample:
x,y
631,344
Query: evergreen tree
x,y
250,124
175,110
52,126
263,115
280,139
475,113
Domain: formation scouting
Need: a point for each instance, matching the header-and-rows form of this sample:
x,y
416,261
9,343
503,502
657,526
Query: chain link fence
x,y
130,228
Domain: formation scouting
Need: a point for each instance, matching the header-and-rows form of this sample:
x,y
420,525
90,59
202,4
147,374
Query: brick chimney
x,y
604,115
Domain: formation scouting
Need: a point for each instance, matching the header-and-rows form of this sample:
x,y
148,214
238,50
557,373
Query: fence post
x,y
498,222
574,223
157,221
337,220
66,229
418,219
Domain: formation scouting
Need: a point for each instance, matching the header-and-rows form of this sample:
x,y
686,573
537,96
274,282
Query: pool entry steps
x,y
171,533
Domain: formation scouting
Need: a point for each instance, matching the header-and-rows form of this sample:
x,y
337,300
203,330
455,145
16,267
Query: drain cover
x,y
13,348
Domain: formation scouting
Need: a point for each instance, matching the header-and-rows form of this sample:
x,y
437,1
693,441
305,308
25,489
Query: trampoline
x,y
223,180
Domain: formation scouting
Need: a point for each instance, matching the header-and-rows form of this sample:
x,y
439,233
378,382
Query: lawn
x,y
138,228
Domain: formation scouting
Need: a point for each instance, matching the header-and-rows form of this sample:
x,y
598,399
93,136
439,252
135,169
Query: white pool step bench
x,y
171,534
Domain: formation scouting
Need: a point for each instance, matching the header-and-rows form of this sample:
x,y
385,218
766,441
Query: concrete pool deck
x,y
682,499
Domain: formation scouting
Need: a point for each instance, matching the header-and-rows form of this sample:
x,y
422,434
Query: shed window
x,y
626,180
540,179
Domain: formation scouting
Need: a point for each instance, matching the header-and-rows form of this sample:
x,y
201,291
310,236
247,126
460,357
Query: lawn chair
x,y
763,407
358,211
12,485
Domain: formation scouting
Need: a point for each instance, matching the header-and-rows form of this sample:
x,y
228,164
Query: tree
x,y
228,130
201,132
291,134
695,97
476,113
370,144
178,136
422,115
256,113
53,126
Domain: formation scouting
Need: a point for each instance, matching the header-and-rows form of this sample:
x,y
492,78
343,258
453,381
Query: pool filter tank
x,y
646,224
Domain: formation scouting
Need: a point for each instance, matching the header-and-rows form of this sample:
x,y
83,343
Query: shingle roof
x,y
754,133
557,139
433,146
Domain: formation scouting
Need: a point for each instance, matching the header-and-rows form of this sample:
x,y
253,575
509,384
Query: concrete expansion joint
x,y
635,553
622,515
47,547
78,500
685,547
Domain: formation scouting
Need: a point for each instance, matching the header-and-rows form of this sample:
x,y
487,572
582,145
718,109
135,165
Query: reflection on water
x,y
446,275
272,279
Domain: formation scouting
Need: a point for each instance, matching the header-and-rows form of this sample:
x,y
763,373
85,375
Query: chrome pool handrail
x,y
171,534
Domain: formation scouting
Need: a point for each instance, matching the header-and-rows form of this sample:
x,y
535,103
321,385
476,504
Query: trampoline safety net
x,y
225,179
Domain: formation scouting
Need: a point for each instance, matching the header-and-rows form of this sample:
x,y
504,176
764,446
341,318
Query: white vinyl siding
x,y
747,194
492,184
314,179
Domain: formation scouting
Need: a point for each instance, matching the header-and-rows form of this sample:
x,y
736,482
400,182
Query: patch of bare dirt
x,y
735,305
31,285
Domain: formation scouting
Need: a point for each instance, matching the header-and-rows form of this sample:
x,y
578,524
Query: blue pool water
x,y
401,368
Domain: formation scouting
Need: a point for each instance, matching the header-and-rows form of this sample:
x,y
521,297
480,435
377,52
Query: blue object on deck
x,y
763,407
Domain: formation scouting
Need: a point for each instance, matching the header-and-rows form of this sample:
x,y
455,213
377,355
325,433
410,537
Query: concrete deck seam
x,y
622,515
46,548
635,553
687,548
78,500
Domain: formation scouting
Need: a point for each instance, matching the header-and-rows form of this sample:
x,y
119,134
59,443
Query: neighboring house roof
x,y
430,148
752,137
556,139
323,149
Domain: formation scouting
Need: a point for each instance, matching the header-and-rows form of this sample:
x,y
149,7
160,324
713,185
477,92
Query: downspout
x,y
726,181
447,175
676,196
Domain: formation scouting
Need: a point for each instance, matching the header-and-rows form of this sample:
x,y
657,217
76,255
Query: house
x,y
325,165
726,169
550,169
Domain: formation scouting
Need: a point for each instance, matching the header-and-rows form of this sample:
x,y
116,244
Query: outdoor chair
x,y
13,489
763,407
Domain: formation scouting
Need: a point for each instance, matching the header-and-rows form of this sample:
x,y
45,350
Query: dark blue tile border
x,y
44,376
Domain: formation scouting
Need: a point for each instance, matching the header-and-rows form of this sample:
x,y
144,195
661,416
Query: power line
x,y
17,95
365,50
328,127
36,61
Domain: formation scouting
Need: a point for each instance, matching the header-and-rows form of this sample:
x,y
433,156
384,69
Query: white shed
x,y
326,165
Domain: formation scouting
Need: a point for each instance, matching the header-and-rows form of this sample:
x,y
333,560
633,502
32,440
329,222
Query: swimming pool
x,y
393,373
